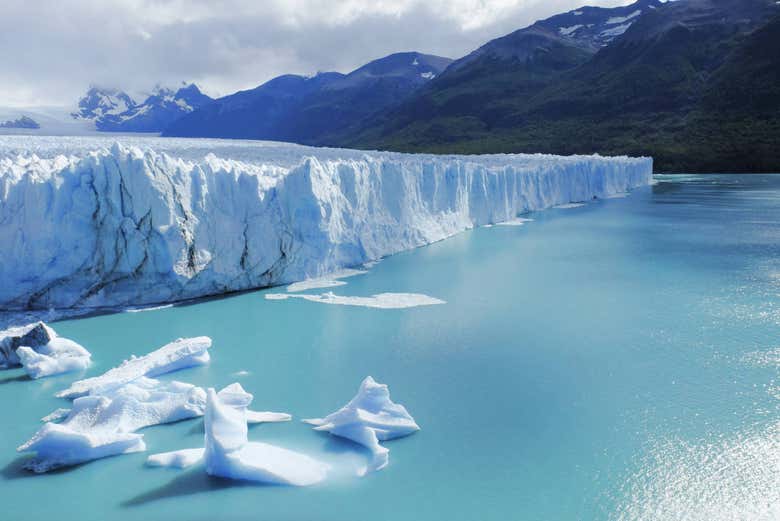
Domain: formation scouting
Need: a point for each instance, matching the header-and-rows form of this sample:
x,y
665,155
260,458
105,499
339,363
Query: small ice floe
x,y
618,195
33,335
148,308
101,425
59,356
520,221
229,454
329,281
176,459
370,417
240,374
266,417
180,354
382,300
569,206
38,349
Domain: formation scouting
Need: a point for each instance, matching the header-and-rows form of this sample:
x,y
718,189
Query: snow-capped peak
x,y
114,110
99,102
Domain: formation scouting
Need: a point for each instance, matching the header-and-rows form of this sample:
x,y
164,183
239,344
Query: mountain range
x,y
316,109
113,110
693,83
24,122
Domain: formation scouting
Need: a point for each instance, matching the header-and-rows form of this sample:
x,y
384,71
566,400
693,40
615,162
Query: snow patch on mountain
x,y
616,31
622,19
568,31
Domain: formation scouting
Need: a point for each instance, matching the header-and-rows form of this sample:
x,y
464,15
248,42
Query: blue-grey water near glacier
x,y
614,361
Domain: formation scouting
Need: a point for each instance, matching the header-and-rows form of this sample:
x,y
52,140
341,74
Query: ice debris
x,y
229,454
176,459
101,425
38,349
182,353
382,300
60,355
370,417
329,281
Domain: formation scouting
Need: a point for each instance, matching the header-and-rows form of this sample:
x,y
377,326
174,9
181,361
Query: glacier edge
x,y
127,225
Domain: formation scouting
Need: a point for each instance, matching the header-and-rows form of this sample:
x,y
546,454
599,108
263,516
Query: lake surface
x,y
618,360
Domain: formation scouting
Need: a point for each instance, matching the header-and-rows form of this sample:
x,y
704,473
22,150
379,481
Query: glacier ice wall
x,y
131,225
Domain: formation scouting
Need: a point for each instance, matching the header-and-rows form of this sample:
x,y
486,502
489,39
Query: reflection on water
x,y
726,478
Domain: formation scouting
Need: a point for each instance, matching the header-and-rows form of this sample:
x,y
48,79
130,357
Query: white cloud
x,y
54,49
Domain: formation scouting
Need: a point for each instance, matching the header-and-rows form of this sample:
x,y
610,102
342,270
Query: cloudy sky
x,y
54,49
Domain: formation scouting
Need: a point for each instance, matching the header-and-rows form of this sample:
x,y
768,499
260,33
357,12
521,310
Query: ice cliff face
x,y
128,225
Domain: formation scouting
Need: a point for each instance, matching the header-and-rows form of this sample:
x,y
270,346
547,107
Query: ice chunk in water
x,y
229,454
182,353
104,425
370,417
32,335
381,301
58,356
177,459
40,351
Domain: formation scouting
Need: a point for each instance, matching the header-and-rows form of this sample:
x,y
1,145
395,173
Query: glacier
x,y
87,222
370,417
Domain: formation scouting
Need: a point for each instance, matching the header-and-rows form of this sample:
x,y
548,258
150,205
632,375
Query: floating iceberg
x,y
381,301
182,353
60,355
330,280
520,221
370,417
229,454
33,335
101,425
38,349
176,459
86,225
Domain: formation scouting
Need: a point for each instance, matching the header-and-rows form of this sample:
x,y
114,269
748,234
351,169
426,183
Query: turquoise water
x,y
614,361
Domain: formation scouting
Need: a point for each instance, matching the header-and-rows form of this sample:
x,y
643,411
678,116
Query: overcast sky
x,y
54,49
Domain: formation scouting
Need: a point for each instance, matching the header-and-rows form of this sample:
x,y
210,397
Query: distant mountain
x,y
99,102
677,85
478,89
115,111
312,110
25,122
